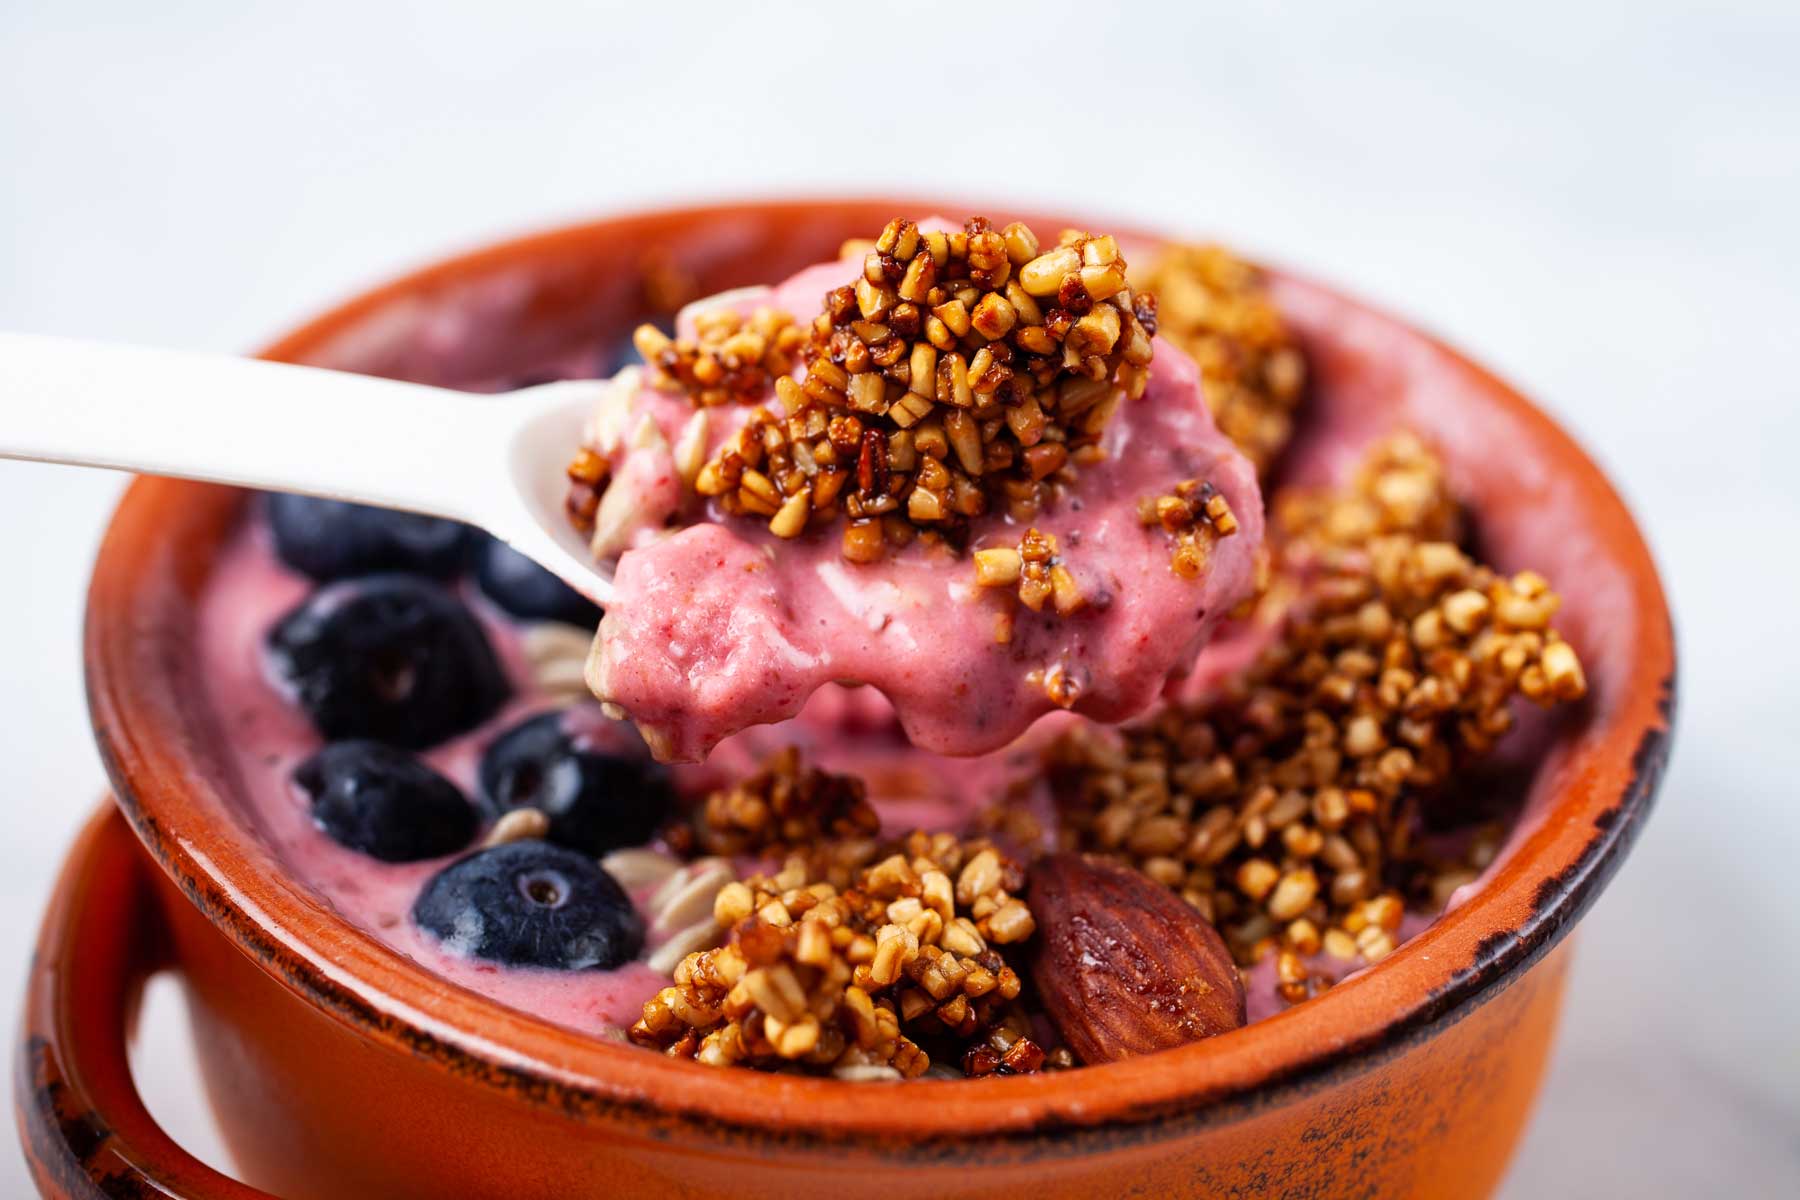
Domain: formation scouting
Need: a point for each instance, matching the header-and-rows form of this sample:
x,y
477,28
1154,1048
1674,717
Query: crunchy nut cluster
x,y
1198,515
1285,809
1214,306
731,359
962,371
1398,488
1035,568
788,807
850,981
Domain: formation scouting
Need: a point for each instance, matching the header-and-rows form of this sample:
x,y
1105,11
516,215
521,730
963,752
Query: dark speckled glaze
x,y
339,1069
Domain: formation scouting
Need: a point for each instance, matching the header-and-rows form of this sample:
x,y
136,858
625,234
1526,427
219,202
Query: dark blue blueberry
x,y
385,803
531,904
524,589
392,658
334,539
598,797
623,351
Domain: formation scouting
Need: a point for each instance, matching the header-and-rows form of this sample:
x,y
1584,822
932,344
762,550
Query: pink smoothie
x,y
720,625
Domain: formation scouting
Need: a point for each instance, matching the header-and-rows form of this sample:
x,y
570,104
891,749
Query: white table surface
x,y
1601,201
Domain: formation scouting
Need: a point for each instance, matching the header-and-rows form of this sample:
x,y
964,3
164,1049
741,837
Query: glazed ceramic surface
x,y
339,1068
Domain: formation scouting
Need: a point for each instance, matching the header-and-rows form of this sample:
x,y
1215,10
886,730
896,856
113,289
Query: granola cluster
x,y
856,981
1286,808
731,359
1397,489
1035,569
961,372
786,807
1196,515
1215,306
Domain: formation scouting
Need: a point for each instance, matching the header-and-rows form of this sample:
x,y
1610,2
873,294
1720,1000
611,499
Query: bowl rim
x,y
132,653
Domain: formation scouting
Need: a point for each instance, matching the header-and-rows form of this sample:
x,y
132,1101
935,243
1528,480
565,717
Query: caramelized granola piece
x,y
731,359
1398,489
1214,306
1196,515
787,807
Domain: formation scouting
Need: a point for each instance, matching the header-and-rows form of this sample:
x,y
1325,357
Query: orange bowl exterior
x,y
338,1068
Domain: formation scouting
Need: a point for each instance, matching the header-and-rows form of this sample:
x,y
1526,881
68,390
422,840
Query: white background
x,y
1601,201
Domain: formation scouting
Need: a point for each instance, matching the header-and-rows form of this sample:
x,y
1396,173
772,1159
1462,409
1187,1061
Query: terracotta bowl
x,y
338,1068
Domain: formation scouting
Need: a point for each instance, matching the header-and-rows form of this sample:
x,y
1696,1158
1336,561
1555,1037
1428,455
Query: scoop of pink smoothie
x,y
721,625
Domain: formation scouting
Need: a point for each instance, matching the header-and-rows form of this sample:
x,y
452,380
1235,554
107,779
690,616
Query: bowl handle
x,y
85,1130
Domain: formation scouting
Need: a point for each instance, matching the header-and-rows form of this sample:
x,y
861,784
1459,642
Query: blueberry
x,y
531,904
392,658
591,777
623,351
333,539
524,589
385,803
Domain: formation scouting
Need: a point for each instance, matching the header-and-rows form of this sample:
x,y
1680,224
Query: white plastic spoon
x,y
493,461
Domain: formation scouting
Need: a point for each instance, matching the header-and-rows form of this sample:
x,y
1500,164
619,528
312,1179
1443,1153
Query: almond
x,y
1123,965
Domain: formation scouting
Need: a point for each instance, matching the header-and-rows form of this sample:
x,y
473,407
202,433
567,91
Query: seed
x,y
1375,943
923,368
791,520
1096,333
925,505
954,315
1066,591
761,487
868,393
993,318
1045,459
1303,936
965,439
1562,671
521,824
1011,922
1293,894
920,278
997,567
587,467
1103,282
1362,736
1256,877
1464,610
863,542
1042,276
909,410
1021,243
874,301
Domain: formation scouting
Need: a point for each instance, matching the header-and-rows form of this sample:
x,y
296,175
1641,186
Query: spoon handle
x,y
249,422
